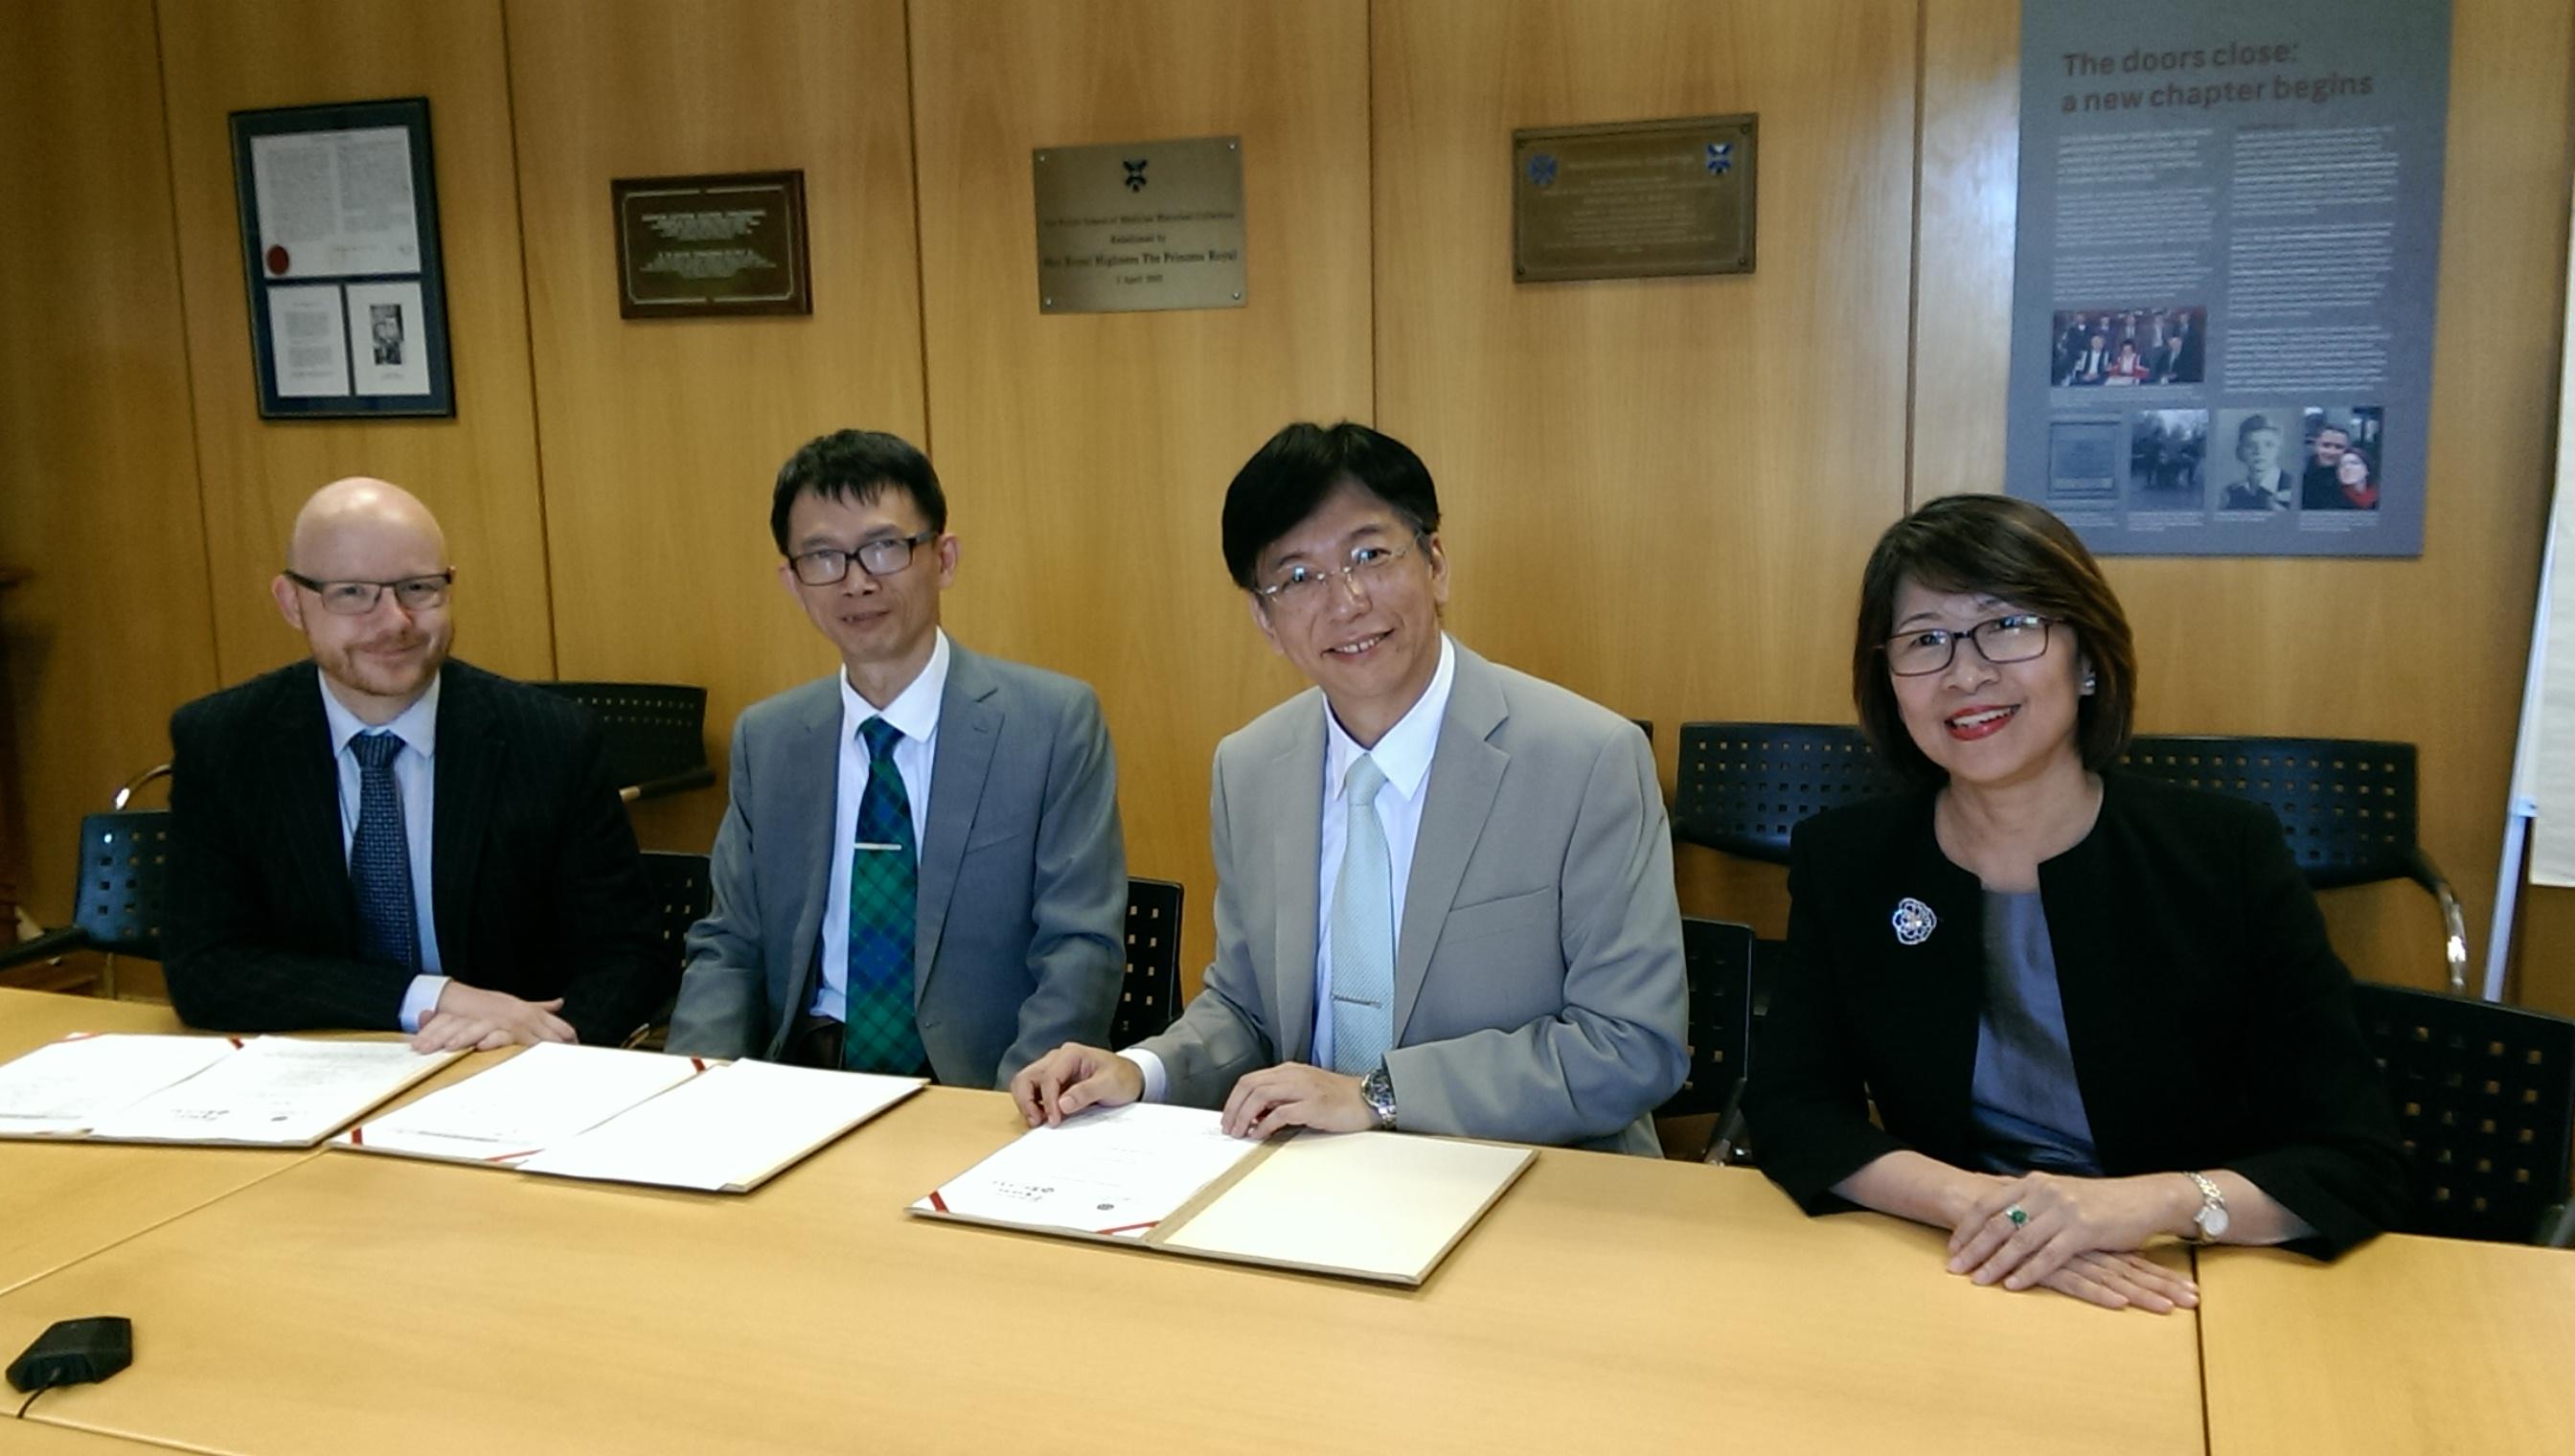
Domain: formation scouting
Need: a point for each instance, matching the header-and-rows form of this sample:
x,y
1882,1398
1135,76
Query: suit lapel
x,y
308,805
1293,799
969,725
1466,774
810,776
470,746
1931,974
2115,1022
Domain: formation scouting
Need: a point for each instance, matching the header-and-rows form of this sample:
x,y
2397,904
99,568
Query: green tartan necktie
x,y
881,1035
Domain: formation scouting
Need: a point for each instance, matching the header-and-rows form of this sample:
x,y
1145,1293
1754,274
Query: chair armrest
x,y
680,783
2455,925
47,946
1732,1145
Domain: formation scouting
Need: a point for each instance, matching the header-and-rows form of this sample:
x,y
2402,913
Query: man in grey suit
x,y
920,870
1444,888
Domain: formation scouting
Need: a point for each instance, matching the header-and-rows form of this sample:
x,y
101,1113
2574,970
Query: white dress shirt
x,y
913,713
415,780
1404,754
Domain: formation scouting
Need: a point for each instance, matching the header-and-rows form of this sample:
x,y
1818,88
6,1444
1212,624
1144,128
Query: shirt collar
x,y
915,711
1404,754
416,724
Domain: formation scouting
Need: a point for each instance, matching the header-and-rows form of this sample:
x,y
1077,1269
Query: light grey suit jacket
x,y
1540,995
1022,911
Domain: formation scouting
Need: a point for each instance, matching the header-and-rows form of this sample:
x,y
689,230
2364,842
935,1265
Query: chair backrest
x,y
1744,785
682,895
123,868
1150,996
1719,960
2347,804
2485,1099
653,733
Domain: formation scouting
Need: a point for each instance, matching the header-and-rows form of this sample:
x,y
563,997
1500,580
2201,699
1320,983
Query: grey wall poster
x,y
2222,297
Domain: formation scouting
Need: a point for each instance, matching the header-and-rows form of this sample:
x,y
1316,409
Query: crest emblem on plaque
x,y
1541,169
1913,921
1136,174
1720,158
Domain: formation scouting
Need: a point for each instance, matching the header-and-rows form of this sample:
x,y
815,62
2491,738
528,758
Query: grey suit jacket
x,y
1021,915
1540,994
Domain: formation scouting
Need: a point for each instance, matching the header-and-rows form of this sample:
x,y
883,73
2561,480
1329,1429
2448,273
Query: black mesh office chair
x,y
1718,958
1744,785
2485,1099
2347,805
1150,994
682,895
124,864
655,733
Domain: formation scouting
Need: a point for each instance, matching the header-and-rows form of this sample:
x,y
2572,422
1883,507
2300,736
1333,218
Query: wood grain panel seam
x,y
528,338
187,363
1375,333
1914,254
919,245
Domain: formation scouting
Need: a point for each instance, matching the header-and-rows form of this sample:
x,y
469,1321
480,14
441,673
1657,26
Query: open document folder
x,y
1367,1205
274,1091
634,1117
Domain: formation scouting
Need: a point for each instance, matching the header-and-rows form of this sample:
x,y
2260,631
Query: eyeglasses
x,y
2015,638
1300,585
882,557
357,599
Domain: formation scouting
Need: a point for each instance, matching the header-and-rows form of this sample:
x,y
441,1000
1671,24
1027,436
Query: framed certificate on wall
x,y
339,225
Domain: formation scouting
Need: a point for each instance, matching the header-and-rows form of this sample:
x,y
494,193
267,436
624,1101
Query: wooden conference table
x,y
358,1303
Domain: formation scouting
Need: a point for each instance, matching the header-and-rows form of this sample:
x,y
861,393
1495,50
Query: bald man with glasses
x,y
380,838
922,870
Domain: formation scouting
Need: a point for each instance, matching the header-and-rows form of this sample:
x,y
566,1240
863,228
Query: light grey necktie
x,y
1362,931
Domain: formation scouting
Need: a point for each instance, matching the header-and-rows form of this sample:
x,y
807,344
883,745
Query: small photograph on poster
x,y
2343,449
2263,471
386,342
310,351
2168,455
2083,464
2134,346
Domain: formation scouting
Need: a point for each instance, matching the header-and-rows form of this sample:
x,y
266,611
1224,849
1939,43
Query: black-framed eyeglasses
x,y
882,557
2014,638
357,599
1300,585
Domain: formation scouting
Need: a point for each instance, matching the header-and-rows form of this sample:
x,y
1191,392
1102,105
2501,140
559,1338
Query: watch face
x,y
2212,1220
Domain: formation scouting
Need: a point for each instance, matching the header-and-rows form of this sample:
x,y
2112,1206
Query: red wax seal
x,y
276,258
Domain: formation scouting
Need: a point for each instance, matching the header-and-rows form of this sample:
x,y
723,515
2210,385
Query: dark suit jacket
x,y
536,887
2211,1024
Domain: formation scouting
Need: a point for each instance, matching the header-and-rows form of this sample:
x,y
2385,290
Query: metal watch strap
x,y
2211,1197
1377,1090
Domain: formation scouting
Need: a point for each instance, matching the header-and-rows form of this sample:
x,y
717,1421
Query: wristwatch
x,y
2210,1222
1377,1090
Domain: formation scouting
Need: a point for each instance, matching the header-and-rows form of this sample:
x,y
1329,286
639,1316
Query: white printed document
x,y
726,1131
1386,1206
62,1088
546,1094
274,1092
1117,1171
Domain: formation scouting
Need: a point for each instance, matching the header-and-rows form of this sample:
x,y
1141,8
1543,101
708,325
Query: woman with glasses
x,y
2092,1010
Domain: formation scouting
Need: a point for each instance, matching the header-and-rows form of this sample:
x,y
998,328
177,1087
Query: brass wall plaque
x,y
1633,198
695,247
1138,226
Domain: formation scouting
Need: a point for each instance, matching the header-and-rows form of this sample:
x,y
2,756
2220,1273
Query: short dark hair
x,y
1288,478
856,465
2015,551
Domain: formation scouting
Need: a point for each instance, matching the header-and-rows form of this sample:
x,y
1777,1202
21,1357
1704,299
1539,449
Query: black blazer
x,y
536,887
2210,1024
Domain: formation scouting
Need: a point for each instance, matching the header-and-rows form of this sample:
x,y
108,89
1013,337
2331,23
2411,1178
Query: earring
x,y
2090,682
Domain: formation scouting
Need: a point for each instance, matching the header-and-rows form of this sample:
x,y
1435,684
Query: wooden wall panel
x,y
1659,492
2427,650
660,439
98,474
1087,454
477,471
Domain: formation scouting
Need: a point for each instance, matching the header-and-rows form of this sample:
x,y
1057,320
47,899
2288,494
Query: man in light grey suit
x,y
1444,888
920,870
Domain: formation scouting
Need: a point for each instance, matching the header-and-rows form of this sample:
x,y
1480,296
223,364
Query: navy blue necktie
x,y
380,857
